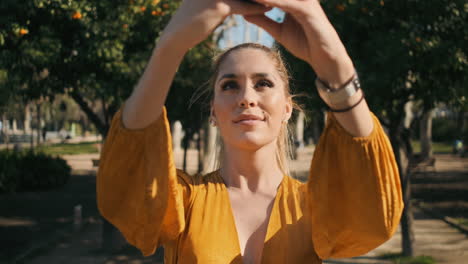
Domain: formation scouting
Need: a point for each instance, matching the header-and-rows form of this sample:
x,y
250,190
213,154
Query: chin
x,y
251,141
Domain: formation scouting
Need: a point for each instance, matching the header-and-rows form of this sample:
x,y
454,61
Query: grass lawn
x,y
462,221
437,147
397,258
70,148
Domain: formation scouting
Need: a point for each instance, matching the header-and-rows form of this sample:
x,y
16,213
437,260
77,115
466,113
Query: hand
x,y
195,20
307,33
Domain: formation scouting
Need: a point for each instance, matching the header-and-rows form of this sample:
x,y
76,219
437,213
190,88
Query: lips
x,y
245,118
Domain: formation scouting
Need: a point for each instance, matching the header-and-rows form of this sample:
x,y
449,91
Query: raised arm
x,y
139,189
354,189
193,22
308,34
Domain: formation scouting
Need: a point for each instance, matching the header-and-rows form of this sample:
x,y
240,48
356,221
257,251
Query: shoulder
x,y
293,182
294,186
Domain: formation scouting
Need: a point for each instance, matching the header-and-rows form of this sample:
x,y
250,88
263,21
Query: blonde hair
x,y
284,140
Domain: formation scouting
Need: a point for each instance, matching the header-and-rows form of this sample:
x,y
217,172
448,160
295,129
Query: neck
x,y
251,170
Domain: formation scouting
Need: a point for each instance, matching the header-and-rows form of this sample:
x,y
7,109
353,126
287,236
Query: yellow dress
x,y
351,203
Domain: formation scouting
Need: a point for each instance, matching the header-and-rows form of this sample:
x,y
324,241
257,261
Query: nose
x,y
247,97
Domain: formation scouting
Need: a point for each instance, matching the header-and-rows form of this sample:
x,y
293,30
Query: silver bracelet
x,y
341,94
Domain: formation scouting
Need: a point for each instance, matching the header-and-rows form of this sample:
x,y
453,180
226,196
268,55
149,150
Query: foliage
x,y
402,50
405,49
93,50
444,129
188,99
9,179
31,171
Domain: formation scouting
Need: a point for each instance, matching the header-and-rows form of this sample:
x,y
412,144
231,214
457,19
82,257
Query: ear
x,y
288,108
212,113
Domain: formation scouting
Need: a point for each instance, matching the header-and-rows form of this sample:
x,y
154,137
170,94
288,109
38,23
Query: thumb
x,y
269,25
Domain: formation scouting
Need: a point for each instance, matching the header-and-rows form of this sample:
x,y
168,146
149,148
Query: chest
x,y
221,230
251,217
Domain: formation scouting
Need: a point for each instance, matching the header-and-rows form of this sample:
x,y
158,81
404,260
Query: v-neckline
x,y
233,219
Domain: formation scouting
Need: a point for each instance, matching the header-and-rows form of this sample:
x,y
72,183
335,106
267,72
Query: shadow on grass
x,y
132,255
398,258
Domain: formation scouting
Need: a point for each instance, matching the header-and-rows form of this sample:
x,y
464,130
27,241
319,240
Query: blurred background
x,y
67,66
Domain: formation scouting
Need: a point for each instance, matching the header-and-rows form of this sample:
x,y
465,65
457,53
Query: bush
x,y
31,171
444,130
9,179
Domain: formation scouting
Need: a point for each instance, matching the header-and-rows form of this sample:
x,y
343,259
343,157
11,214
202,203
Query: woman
x,y
250,211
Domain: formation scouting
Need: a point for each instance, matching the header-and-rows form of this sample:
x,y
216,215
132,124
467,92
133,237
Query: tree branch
x,y
101,127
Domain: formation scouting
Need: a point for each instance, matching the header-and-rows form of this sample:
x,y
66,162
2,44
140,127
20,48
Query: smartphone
x,y
251,1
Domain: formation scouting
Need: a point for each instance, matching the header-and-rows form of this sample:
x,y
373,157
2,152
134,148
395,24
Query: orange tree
x,y
94,51
403,50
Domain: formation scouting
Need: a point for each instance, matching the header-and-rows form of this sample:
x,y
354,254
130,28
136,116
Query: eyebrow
x,y
233,76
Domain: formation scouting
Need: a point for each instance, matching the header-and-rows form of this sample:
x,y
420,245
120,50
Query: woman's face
x,y
249,102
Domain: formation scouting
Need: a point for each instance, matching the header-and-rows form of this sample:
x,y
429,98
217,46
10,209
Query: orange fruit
x,y
23,31
77,15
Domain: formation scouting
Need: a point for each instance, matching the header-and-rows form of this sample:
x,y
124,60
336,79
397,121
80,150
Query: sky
x,y
238,36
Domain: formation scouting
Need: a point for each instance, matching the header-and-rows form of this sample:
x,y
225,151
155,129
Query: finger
x,y
289,6
269,25
247,8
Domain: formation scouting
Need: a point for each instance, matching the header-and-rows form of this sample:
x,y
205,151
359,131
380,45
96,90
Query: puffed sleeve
x,y
354,191
139,189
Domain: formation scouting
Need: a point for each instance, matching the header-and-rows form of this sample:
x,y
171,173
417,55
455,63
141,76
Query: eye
x,y
264,83
229,85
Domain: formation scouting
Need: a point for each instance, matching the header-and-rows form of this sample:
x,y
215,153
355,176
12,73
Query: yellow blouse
x,y
351,203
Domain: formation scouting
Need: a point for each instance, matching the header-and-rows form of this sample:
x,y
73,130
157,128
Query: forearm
x,y
357,121
147,99
332,64
328,56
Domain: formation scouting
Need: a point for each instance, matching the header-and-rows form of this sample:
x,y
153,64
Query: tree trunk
x,y
407,216
200,147
318,125
300,129
27,119
5,131
93,117
210,147
38,130
28,123
185,141
425,133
